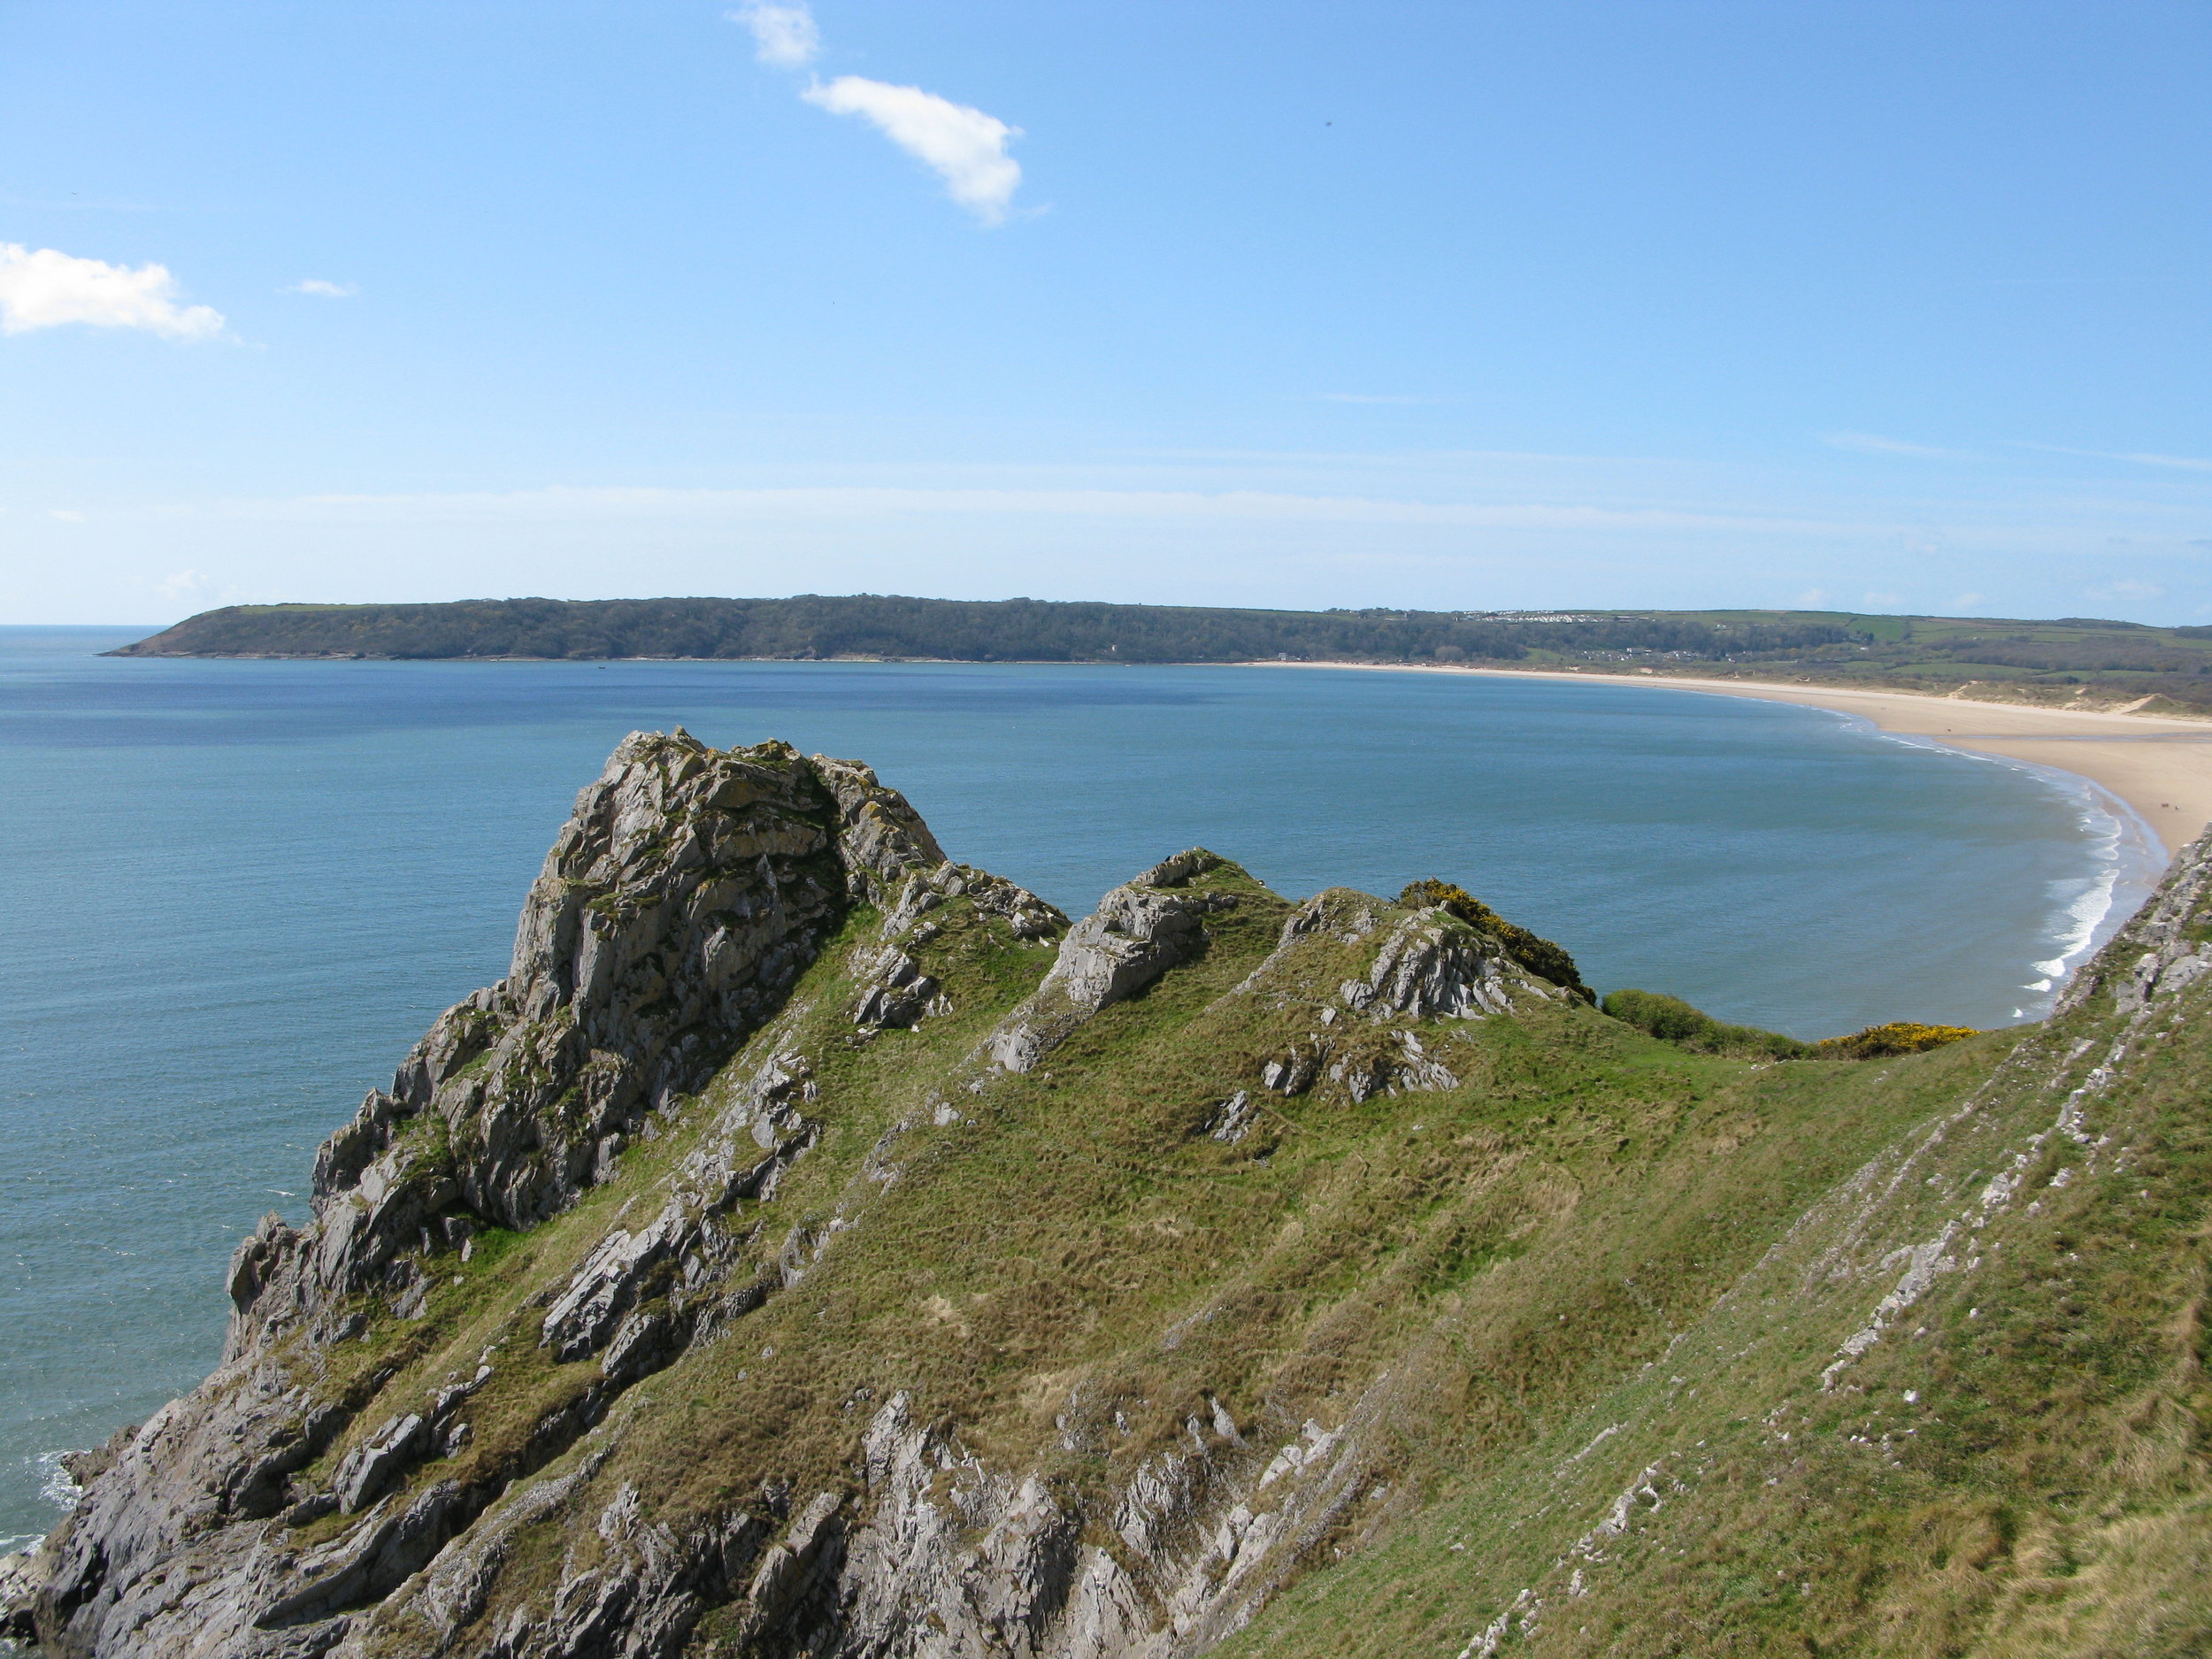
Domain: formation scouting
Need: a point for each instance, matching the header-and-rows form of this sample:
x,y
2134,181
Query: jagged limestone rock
x,y
1138,932
369,1467
1428,965
1433,964
687,894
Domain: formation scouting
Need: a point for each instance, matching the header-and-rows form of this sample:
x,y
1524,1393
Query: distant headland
x,y
2073,662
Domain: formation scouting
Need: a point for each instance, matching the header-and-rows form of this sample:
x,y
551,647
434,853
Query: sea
x,y
234,893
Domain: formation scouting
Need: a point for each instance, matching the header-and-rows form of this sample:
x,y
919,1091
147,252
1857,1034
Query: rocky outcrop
x,y
2162,950
673,916
1433,965
1426,965
895,991
935,1552
687,894
1138,932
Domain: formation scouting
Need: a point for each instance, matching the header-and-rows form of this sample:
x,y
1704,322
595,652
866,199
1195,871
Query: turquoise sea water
x,y
234,893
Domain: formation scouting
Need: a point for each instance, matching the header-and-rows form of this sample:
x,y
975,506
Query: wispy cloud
x,y
325,290
869,501
963,146
83,204
1872,443
47,288
2184,463
784,36
185,587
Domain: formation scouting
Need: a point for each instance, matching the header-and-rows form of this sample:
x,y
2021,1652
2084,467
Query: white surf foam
x,y
56,1484
2126,860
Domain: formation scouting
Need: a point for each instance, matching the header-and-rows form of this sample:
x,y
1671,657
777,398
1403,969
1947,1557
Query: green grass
x,y
2043,1492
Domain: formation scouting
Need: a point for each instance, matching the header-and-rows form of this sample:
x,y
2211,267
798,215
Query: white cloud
x,y
67,515
1813,598
784,36
1873,444
45,289
965,147
1882,599
326,290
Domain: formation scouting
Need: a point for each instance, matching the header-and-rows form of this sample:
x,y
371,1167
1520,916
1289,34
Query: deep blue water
x,y
234,893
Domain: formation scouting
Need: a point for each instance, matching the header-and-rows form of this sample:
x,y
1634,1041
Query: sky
x,y
1457,306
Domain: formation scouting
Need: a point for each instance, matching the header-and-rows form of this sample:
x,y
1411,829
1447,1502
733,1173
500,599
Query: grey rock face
x,y
22,1576
683,899
1433,965
688,892
2159,957
1138,932
937,1556
677,907
370,1466
1428,965
608,1283
895,991
941,1555
1232,1120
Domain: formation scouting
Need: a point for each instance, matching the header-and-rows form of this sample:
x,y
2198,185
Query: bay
x,y
234,892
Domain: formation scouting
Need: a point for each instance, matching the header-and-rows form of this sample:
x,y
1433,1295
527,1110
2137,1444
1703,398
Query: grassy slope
x,y
1597,1229
2017,1468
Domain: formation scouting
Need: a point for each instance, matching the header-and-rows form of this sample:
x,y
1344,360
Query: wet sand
x,y
2159,765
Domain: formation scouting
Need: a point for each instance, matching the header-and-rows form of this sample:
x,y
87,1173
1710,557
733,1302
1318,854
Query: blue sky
x,y
1461,305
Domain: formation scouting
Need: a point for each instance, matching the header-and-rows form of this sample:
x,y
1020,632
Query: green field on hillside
x,y
2079,661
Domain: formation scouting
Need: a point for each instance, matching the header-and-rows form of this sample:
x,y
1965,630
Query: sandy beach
x,y
2159,766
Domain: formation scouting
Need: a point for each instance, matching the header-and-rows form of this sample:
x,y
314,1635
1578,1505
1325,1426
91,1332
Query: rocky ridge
x,y
804,1249
687,895
678,910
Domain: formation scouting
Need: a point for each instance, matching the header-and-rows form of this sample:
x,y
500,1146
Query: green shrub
x,y
1671,1019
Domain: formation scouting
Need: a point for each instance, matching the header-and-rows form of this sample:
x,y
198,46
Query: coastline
x,y
2160,766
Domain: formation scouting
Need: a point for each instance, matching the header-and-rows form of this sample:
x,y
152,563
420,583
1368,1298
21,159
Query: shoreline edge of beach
x,y
2160,766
